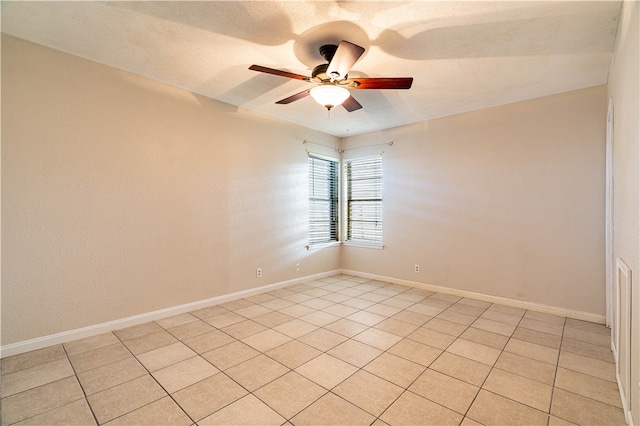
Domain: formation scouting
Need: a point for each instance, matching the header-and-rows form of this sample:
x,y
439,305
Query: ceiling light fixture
x,y
329,95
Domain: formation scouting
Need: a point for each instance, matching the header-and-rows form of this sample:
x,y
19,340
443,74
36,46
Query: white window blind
x,y
364,200
323,200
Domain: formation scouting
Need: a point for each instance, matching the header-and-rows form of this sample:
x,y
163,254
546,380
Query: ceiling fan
x,y
332,81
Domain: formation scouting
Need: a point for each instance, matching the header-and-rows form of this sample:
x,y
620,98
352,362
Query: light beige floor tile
x,y
208,312
205,397
368,392
296,298
584,411
137,330
340,310
90,343
483,337
290,394
243,329
527,367
466,309
320,318
494,326
601,353
266,340
256,372
526,391
124,398
74,413
474,302
412,409
382,309
588,326
415,351
318,303
248,410
589,386
474,351
176,320
110,375
446,327
41,399
397,327
85,361
273,319
377,338
432,338
295,328
165,356
326,370
451,393
356,302
457,317
557,421
234,305
355,353
161,412
39,375
395,369
184,373
190,329
293,354
540,316
397,302
367,318
322,339
374,297
253,311
588,337
224,319
276,304
519,312
336,298
149,342
461,368
412,317
446,297
425,309
346,327
537,337
208,341
31,359
491,409
229,355
542,326
468,422
333,410
533,351
501,317
591,366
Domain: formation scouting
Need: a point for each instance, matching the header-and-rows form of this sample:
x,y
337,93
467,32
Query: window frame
x,y
335,212
346,203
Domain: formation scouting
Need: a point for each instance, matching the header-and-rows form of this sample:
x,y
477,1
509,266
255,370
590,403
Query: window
x,y
323,200
364,200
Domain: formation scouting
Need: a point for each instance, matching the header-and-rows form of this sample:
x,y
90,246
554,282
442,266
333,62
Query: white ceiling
x,y
463,55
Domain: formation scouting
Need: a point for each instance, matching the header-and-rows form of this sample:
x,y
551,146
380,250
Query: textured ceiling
x,y
463,55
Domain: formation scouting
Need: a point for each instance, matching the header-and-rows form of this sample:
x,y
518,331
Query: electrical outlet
x,y
417,268
259,273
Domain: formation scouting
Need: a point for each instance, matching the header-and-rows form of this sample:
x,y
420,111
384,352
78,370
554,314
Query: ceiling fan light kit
x,y
329,95
332,79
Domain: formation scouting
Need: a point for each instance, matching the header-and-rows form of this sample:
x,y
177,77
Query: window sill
x,y
319,246
364,245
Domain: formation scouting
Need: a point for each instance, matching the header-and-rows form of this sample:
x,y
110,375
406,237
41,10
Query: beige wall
x,y
122,196
507,201
624,90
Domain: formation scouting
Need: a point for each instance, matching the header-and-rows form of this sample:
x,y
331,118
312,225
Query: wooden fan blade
x,y
294,98
345,57
351,104
267,70
383,83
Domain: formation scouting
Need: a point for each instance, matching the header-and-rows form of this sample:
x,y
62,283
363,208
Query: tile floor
x,y
341,350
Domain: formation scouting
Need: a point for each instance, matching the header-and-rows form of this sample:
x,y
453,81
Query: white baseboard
x,y
92,330
580,315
